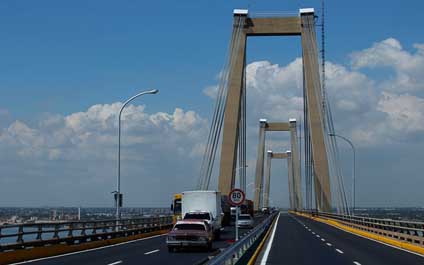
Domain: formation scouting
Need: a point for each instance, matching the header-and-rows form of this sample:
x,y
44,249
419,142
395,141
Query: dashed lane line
x,y
151,252
329,244
89,250
116,262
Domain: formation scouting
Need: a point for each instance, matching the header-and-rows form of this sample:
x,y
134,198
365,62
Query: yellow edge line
x,y
383,239
261,245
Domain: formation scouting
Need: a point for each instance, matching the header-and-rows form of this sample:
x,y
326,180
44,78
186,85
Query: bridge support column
x,y
315,112
267,178
297,178
232,107
260,165
290,179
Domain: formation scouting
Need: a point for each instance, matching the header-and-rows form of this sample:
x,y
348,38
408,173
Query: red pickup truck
x,y
190,233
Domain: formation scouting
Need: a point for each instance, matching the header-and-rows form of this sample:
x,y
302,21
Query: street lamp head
x,y
153,91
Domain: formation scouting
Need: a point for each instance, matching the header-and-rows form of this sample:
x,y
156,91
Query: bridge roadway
x,y
299,240
146,251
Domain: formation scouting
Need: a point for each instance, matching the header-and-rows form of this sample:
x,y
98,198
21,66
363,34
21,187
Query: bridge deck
x,y
300,240
143,251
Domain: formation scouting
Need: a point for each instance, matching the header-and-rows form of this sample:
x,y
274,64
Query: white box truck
x,y
203,204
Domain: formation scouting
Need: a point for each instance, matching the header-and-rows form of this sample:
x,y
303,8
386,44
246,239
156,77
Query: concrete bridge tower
x,y
304,26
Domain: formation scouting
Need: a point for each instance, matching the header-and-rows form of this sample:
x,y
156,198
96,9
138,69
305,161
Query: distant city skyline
x,y
67,67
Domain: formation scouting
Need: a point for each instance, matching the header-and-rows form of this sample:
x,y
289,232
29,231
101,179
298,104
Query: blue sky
x,y
60,60
66,56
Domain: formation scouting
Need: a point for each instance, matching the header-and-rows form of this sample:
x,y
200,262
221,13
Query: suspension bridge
x,y
319,228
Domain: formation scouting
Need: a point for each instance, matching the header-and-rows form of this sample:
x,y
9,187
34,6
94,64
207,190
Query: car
x,y
190,233
265,210
245,220
208,217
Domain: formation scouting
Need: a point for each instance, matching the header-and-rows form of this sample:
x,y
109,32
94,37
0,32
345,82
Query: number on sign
x,y
236,197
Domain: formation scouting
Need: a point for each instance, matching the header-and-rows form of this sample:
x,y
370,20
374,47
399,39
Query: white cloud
x,y
211,91
371,111
405,113
93,134
407,67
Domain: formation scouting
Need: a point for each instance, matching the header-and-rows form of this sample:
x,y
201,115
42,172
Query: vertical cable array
x,y
242,135
211,147
323,89
337,187
308,150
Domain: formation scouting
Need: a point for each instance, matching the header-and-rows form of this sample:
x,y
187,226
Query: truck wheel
x,y
171,249
209,246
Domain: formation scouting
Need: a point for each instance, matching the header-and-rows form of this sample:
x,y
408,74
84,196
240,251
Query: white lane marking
x,y
338,250
322,239
268,247
116,262
313,233
418,254
151,252
356,263
318,236
328,244
88,250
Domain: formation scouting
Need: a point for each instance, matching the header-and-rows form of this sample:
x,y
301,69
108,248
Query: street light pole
x,y
353,170
118,180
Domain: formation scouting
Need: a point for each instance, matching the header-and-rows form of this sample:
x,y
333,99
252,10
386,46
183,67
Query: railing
x,y
407,231
235,252
18,236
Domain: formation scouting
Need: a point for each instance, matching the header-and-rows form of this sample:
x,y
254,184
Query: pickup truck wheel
x,y
218,234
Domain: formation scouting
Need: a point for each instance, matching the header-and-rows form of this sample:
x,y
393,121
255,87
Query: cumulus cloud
x,y
372,110
93,133
366,108
389,53
405,113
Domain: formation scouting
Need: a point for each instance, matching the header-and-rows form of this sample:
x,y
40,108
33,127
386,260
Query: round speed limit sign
x,y
236,197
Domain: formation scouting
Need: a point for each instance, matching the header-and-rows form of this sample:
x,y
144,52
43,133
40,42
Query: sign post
x,y
236,198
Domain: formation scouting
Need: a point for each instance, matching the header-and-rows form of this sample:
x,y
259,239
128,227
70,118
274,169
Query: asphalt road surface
x,y
300,240
143,251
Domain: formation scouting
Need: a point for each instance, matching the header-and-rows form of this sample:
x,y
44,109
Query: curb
x,y
261,244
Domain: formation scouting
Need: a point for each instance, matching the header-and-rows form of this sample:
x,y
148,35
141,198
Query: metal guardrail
x,y
233,253
407,231
75,232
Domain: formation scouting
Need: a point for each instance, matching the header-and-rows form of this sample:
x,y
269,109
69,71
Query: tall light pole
x,y
118,179
353,170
